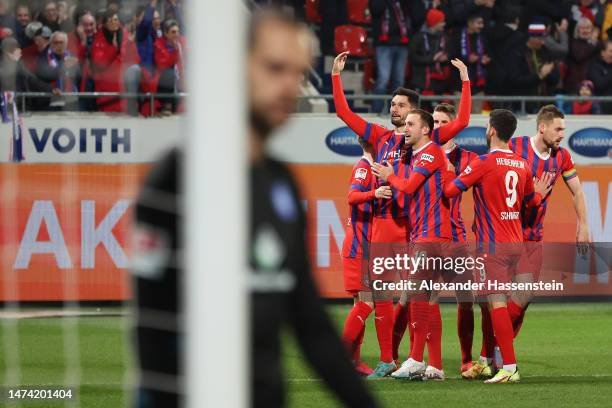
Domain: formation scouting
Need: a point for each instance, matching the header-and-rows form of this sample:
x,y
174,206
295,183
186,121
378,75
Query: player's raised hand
x,y
383,192
339,62
463,70
382,172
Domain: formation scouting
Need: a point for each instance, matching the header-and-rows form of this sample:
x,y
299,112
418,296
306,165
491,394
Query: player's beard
x,y
260,124
398,122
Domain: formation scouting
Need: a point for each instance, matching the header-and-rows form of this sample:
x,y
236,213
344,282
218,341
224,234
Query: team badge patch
x,y
361,173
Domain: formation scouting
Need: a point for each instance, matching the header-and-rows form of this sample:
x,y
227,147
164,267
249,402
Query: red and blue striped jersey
x,y
459,158
558,162
502,182
389,147
361,202
429,218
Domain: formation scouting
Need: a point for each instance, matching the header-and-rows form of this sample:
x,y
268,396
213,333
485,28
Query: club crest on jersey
x,y
427,157
467,170
361,173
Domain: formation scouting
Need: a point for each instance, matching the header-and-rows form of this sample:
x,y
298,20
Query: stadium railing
x,y
22,97
522,101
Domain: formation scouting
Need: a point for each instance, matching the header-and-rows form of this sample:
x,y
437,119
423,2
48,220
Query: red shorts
x,y
352,270
531,261
499,268
386,230
433,253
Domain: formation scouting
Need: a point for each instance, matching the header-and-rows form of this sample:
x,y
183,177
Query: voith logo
x,y
474,139
592,142
83,140
343,141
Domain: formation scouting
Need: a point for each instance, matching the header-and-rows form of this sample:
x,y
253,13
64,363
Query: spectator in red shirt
x,y
40,36
169,62
586,107
80,44
115,66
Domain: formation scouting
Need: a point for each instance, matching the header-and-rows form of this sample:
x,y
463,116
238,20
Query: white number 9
x,y
511,182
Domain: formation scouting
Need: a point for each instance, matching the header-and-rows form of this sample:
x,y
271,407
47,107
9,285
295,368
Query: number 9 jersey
x,y
502,183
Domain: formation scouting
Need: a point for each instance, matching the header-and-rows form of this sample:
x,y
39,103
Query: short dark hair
x,y
413,97
548,113
504,122
446,108
604,44
269,14
425,117
510,14
109,13
473,16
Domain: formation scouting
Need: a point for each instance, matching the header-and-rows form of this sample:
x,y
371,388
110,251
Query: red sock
x,y
384,328
465,329
504,333
400,321
434,337
354,325
488,338
358,343
517,316
410,328
419,311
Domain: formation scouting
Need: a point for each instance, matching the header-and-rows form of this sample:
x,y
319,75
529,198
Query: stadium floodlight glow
x,y
215,217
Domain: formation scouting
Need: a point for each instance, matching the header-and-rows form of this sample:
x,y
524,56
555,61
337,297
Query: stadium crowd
x,y
512,47
133,46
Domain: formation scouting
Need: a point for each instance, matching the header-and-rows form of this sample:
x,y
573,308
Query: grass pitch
x,y
564,353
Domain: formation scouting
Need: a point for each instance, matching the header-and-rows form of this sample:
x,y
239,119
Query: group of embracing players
x,y
405,192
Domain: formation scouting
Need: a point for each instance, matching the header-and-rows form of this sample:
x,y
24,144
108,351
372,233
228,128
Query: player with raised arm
x,y
502,184
390,216
429,224
445,128
355,250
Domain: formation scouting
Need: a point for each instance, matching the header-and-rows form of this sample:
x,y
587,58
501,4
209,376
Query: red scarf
x,y
400,18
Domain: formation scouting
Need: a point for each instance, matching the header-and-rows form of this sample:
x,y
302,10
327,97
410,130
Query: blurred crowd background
x,y
113,46
512,47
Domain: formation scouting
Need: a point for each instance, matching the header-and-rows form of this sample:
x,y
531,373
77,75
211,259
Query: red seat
x,y
358,11
312,11
352,39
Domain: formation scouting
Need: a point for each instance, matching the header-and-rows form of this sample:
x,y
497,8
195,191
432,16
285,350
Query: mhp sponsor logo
x,y
592,142
474,139
83,140
343,141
